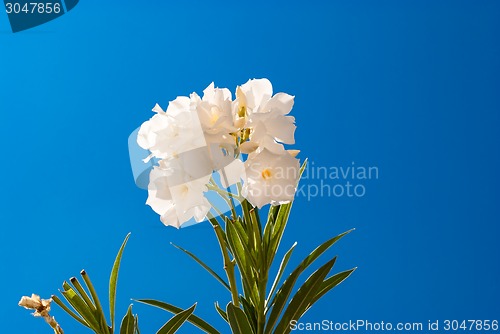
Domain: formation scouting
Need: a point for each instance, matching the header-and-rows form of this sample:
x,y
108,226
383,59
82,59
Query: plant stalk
x,y
228,263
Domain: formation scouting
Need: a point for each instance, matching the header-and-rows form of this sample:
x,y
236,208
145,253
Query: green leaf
x,y
246,207
277,220
206,267
128,322
253,228
99,312
221,312
250,312
67,310
238,320
82,293
321,249
330,283
80,307
300,301
276,232
279,301
266,237
176,321
272,214
281,271
137,331
198,322
254,214
113,279
243,259
236,231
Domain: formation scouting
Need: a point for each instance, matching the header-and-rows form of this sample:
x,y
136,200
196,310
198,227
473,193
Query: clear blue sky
x,y
408,86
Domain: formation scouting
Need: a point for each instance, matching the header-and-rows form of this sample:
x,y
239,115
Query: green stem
x,y
261,316
228,263
254,229
263,273
227,196
213,186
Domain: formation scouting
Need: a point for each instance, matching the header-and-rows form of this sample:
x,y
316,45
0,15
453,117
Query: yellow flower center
x,y
184,190
242,111
242,108
214,117
266,174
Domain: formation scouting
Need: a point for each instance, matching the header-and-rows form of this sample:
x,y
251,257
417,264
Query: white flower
x,y
256,93
215,111
265,116
216,119
175,131
196,136
270,178
176,196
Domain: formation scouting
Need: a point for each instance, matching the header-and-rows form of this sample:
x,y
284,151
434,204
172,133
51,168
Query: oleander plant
x,y
225,162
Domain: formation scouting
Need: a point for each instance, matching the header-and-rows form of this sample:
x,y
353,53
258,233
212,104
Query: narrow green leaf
x,y
240,253
245,210
137,331
176,321
239,235
238,320
331,283
100,317
113,279
99,312
246,207
252,228
277,219
128,322
236,247
272,214
198,322
206,267
221,312
276,224
300,301
279,301
66,309
254,214
321,249
80,307
303,167
82,292
281,220
250,312
281,271
266,237
277,230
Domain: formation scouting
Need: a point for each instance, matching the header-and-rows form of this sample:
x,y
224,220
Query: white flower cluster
x,y
196,136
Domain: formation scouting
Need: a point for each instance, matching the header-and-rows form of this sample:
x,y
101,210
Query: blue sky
x,y
409,87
